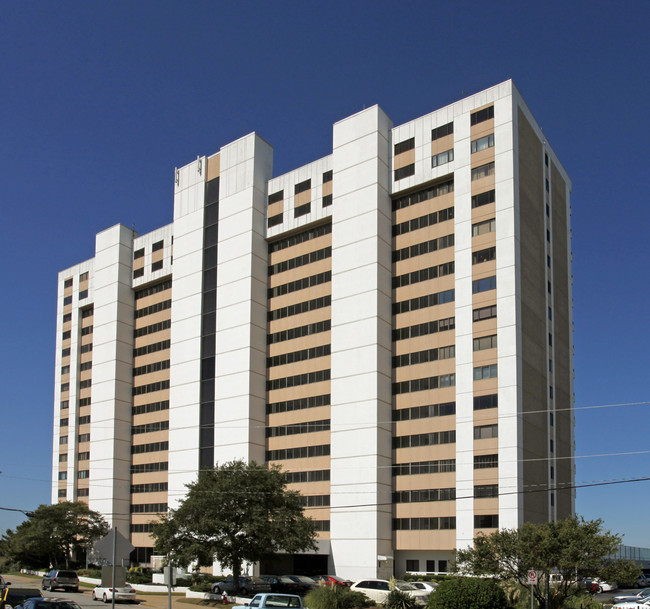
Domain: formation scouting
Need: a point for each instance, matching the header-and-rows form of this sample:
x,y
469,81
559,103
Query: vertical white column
x,y
240,391
185,355
464,353
509,326
361,482
112,376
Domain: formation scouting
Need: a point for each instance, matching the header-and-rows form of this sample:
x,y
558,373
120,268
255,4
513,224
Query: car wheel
x,y
105,598
75,589
217,590
600,590
43,586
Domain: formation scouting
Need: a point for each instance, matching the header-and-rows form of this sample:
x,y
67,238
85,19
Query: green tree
x,y
574,548
235,512
468,593
53,534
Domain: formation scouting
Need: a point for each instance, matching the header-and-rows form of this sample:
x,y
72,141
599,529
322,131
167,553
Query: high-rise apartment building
x,y
391,324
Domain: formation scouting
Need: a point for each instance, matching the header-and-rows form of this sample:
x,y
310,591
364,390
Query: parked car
x,y
305,584
122,593
427,586
603,586
377,590
642,582
331,580
57,578
622,598
642,603
282,584
262,601
48,603
12,597
248,585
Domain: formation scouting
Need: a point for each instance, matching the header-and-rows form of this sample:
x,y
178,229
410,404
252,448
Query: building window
x,y
83,294
84,402
483,198
65,369
431,566
158,245
405,172
83,474
138,273
486,521
82,492
65,352
138,253
66,335
443,157
412,565
67,317
83,456
63,475
482,115
327,200
62,493
275,197
482,228
274,220
302,187
483,402
68,283
483,491
442,566
442,131
485,372
84,437
302,210
485,255
483,143
84,420
485,461
485,342
483,171
327,176
156,266
484,313
86,330
550,391
550,339
484,432
63,458
405,146
65,387
65,404
63,423
483,285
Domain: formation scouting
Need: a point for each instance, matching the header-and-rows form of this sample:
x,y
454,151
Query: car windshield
x,y
304,580
66,574
286,580
405,586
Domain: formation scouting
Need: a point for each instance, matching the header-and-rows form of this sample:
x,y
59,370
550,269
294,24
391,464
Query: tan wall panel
x,y
404,158
421,343
306,366
154,318
484,241
429,509
148,477
425,453
486,385
424,208
482,157
142,540
148,438
442,144
297,344
317,291
292,393
303,439
421,398
410,483
429,425
327,188
482,128
302,198
300,249
423,262
423,235
487,475
302,319
149,398
418,371
298,416
486,506
145,518
151,358
157,497
274,209
138,263
151,417
425,540
150,339
311,488
158,255
424,288
482,184
157,457
485,357
301,465
320,266
147,301
214,167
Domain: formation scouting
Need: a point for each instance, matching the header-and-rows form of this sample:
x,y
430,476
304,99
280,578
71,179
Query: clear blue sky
x,y
99,101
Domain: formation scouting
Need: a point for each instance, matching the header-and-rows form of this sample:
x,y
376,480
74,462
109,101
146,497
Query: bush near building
x,y
468,593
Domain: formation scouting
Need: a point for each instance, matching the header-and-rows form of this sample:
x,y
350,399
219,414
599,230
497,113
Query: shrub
x,y
336,597
201,586
468,593
397,599
96,573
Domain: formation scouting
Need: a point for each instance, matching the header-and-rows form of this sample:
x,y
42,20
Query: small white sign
x,y
533,576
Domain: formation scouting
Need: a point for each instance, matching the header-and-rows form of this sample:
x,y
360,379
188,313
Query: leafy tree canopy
x,y
53,533
574,548
235,512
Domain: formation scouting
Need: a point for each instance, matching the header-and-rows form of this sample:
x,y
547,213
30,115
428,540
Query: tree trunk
x,y
236,572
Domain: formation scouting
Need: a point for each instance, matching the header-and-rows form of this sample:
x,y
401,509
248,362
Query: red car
x,y
332,580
